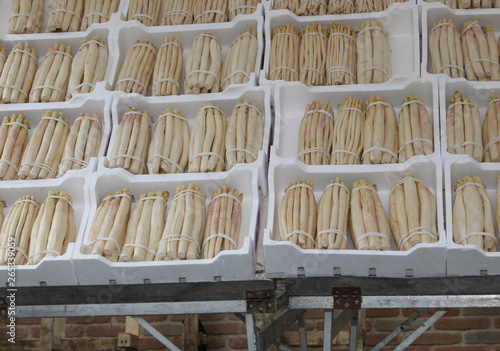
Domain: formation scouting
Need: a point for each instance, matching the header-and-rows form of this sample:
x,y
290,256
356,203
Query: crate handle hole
x,y
409,273
301,272
182,280
372,272
337,271
483,272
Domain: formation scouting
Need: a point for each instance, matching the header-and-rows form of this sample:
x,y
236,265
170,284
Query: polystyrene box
x,y
271,6
284,259
228,265
189,105
50,271
469,260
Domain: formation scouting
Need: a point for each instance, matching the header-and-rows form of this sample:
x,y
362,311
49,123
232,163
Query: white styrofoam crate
x,y
228,265
284,259
291,99
50,271
127,33
270,6
468,260
400,22
433,12
189,105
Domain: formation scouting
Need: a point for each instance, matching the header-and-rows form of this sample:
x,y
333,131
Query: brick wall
x,y
460,329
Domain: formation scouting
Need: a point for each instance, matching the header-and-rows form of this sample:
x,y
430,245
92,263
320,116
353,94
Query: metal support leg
x,y
353,331
333,325
302,333
156,334
251,332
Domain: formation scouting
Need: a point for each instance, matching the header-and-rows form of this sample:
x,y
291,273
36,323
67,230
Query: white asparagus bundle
x,y
107,231
145,228
380,134
88,68
297,214
210,11
207,144
244,134
65,16
312,54
333,216
169,148
312,8
473,215
26,16
292,5
183,233
18,225
491,130
341,55
177,12
284,56
242,7
341,7
18,73
203,65
137,70
373,53
463,128
13,141
497,212
83,143
222,227
3,57
480,52
387,3
412,213
53,229
240,58
98,12
144,11
51,78
167,72
368,221
348,133
45,148
131,143
414,129
315,140
446,49
363,6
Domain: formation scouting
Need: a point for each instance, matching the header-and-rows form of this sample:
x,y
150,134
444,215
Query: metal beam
x,y
272,331
159,336
334,324
353,331
302,333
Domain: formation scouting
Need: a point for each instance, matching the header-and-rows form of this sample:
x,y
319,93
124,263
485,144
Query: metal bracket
x,y
347,298
3,308
260,301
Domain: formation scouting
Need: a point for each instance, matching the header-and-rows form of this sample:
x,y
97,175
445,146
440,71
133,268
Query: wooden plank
x,y
58,334
190,336
47,325
131,326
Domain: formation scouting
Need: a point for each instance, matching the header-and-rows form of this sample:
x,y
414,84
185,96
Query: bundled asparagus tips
x,y
3,56
169,148
222,229
446,49
83,143
348,133
210,11
88,68
13,140
65,16
380,134
292,5
415,129
387,3
338,7
244,134
239,61
26,16
312,55
412,213
98,12
203,65
312,8
167,72
480,52
242,7
316,134
53,229
183,233
17,74
463,129
51,78
373,54
333,215
131,143
368,221
341,55
473,215
16,229
176,12
45,148
207,144
363,6
491,130
284,56
137,70
144,11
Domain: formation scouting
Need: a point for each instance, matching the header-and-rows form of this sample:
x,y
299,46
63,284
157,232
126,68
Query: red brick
x,y
388,325
482,337
497,348
430,338
315,314
176,317
373,339
218,328
481,311
309,325
368,325
35,332
120,319
388,312
497,322
104,330
151,319
166,328
409,348
88,320
26,321
22,332
151,343
74,331
215,342
238,342
461,348
407,312
212,317
460,323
